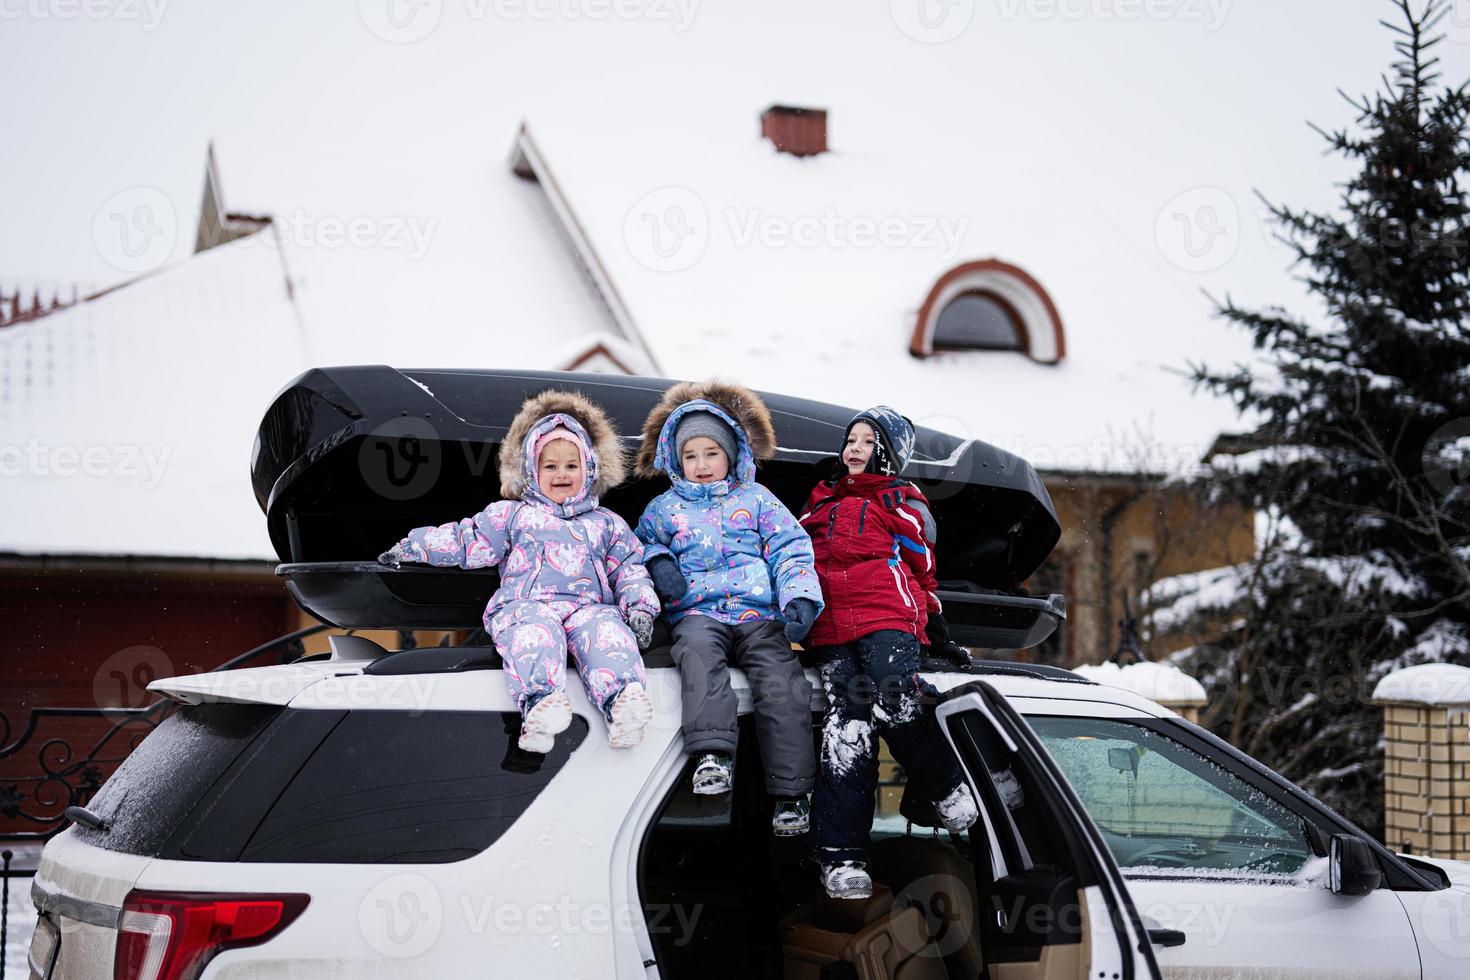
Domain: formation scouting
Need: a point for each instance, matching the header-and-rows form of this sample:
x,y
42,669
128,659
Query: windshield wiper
x,y
85,817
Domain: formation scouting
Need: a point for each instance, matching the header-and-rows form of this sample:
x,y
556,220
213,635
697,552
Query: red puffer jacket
x,y
873,540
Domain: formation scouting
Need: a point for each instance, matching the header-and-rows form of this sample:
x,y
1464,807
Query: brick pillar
x,y
1426,728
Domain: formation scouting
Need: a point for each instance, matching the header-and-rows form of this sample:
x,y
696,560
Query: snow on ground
x,y
1157,682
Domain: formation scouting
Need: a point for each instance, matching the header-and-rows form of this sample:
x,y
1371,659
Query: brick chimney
x,y
796,130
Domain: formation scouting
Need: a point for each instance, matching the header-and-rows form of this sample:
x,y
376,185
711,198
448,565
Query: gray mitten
x,y
642,626
393,556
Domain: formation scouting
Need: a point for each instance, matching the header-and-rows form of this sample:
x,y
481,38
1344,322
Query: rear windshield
x,y
244,783
147,798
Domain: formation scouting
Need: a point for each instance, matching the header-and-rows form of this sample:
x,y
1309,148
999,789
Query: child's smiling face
x,y
559,471
859,448
704,461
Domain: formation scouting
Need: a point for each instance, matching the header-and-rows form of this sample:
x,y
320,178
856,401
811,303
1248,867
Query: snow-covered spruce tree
x,y
1360,454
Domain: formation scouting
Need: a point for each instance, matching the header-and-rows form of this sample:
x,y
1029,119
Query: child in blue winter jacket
x,y
735,572
571,572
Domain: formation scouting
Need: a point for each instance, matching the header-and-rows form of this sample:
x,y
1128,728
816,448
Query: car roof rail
x,y
1007,668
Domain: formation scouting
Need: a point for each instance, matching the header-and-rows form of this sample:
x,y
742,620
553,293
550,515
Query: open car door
x,y
1050,900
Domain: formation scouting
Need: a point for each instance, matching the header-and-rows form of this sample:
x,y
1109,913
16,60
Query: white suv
x,y
368,815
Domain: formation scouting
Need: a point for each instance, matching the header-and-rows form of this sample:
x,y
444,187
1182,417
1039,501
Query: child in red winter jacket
x,y
873,538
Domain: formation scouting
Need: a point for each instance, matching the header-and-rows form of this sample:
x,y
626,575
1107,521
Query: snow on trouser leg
x,y
903,714
847,772
701,651
783,706
533,647
606,652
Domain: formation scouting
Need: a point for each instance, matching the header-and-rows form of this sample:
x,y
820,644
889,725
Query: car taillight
x,y
172,935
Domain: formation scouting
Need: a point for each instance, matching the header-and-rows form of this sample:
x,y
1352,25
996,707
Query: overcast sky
x,y
1153,97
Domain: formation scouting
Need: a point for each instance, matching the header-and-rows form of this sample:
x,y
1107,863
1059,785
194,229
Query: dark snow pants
x,y
873,688
705,649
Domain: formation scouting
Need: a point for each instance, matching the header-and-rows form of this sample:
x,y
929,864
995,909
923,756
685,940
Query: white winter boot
x,y
958,810
630,713
547,718
847,879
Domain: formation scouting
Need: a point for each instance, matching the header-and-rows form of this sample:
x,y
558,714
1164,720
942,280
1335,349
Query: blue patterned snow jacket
x,y
742,552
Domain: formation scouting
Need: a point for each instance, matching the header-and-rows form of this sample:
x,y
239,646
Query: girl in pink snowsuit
x,y
571,572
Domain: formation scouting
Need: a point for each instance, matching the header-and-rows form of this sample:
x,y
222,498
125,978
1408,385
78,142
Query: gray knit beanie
x,y
711,426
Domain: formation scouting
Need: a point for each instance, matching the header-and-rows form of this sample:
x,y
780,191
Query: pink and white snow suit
x,y
570,575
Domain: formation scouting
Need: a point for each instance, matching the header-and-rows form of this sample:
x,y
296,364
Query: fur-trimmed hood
x,y
606,464
735,404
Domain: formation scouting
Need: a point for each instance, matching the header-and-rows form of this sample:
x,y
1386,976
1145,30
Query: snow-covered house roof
x,y
687,250
808,275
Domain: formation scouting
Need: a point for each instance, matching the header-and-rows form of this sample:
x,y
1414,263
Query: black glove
x,y
941,645
800,614
668,581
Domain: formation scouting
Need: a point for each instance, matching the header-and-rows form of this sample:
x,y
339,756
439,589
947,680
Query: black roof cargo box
x,y
348,459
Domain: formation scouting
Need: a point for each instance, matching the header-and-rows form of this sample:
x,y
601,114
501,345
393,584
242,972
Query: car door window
x,y
1167,810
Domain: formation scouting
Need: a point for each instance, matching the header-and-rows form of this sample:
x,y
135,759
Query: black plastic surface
x,y
367,595
347,459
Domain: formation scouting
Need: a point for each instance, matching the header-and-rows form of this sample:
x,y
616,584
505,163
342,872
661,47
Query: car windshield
x,y
1166,810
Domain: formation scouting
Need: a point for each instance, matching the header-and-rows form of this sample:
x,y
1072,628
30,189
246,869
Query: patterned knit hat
x,y
894,446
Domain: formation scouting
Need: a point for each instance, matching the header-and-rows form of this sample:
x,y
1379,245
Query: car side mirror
x,y
1353,870
1124,760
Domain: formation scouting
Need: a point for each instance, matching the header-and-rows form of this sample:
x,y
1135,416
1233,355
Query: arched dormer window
x,y
989,305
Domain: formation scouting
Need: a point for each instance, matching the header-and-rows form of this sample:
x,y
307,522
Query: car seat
x,y
868,939
933,877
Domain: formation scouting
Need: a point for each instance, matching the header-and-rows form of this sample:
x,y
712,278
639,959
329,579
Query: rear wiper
x,y
85,817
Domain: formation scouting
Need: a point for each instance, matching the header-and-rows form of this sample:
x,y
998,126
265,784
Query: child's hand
x,y
393,556
800,614
642,626
668,581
